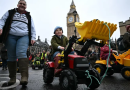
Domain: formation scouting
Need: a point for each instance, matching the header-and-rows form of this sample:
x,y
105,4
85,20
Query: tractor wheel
x,y
33,67
95,81
110,72
68,80
40,67
100,68
48,75
125,71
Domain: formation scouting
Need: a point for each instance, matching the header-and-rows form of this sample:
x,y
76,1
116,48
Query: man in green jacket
x,y
59,42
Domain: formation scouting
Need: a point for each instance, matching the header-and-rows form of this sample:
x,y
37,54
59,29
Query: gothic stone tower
x,y
71,21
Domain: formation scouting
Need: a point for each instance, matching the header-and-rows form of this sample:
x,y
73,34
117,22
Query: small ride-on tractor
x,y
75,69
121,64
36,63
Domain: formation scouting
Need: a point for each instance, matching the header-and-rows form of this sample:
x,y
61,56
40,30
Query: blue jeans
x,y
16,47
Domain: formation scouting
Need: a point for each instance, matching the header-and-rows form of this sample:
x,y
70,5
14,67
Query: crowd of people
x,y
41,56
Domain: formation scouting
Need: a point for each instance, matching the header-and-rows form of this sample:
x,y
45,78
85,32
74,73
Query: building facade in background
x,y
122,26
39,46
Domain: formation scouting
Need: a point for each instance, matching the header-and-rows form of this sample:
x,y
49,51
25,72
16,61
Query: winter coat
x,y
104,52
89,52
37,58
8,23
126,40
57,41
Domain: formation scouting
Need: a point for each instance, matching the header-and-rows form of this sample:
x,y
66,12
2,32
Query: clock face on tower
x,y
70,19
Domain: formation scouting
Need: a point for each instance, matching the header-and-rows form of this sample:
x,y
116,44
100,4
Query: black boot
x,y
23,67
12,72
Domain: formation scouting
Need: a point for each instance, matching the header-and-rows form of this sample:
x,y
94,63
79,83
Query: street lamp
x,y
75,13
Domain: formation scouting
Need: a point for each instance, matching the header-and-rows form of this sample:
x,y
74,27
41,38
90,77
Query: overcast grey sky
x,y
47,14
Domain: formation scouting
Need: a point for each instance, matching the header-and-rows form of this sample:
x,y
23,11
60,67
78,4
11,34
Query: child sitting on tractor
x,y
59,42
37,58
104,53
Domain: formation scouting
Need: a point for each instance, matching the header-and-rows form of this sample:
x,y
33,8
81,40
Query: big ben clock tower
x,y
71,21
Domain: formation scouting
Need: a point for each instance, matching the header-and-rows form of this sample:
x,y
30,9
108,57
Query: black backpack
x,y
120,44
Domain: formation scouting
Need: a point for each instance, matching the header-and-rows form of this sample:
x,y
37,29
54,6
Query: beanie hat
x,y
127,27
57,27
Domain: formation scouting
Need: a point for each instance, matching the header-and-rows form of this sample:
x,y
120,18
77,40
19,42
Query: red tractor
x,y
72,69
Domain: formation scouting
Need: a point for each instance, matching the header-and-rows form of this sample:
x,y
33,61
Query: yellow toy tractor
x,y
121,64
96,30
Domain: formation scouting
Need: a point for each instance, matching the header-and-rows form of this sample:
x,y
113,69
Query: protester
x,y
43,56
126,38
4,58
17,32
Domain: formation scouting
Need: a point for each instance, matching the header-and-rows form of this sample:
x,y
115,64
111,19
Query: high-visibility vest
x,y
42,56
45,55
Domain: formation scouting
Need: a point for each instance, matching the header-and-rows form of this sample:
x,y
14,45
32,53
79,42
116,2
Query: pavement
x,y
114,82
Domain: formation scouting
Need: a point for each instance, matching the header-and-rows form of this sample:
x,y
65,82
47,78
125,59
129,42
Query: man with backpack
x,y
123,42
17,32
126,38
